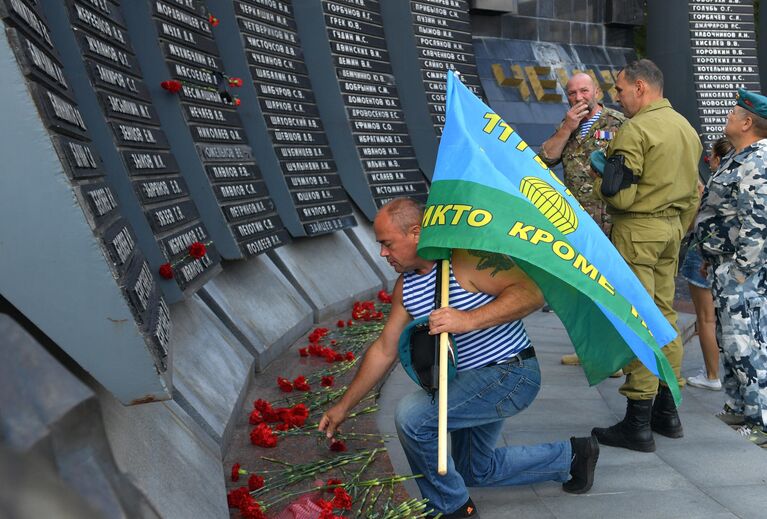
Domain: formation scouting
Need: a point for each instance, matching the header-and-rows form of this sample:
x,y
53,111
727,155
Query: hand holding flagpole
x,y
444,344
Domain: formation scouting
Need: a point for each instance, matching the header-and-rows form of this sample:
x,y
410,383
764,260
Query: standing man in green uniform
x,y
587,126
650,185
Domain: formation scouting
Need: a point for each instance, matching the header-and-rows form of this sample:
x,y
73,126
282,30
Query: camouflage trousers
x,y
650,247
741,329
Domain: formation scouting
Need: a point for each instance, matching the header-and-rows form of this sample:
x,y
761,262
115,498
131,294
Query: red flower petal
x,y
327,381
304,352
284,384
197,250
255,482
173,86
166,271
235,472
338,446
340,323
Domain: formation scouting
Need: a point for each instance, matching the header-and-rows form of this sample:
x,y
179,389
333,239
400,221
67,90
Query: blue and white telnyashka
x,y
585,126
474,349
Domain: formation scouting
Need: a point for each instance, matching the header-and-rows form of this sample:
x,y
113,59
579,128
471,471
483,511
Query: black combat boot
x,y
633,432
665,419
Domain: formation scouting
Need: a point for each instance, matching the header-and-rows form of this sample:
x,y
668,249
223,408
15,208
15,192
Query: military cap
x,y
753,102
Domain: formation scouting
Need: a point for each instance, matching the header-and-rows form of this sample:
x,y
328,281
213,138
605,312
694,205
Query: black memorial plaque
x,y
127,107
37,54
280,77
368,89
109,78
120,244
208,98
35,62
99,201
723,44
160,190
129,134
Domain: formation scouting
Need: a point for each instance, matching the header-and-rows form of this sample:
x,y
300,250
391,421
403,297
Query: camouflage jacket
x,y
576,163
731,226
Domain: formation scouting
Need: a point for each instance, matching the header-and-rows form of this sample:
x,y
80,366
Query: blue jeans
x,y
479,400
691,269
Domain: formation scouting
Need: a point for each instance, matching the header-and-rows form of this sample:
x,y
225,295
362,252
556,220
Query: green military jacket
x,y
576,164
663,150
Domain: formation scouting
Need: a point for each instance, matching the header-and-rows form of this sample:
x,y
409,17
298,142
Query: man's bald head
x,y
404,212
581,79
582,93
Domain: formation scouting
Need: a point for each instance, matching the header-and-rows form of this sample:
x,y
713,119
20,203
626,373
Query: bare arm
x,y
375,364
516,294
551,150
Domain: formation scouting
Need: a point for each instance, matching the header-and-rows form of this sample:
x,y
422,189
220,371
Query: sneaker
x,y
585,456
755,434
702,381
571,359
730,417
467,510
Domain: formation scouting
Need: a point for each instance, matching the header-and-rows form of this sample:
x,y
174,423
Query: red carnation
x,y
263,436
237,101
327,381
338,446
255,482
255,417
384,296
338,357
213,20
340,323
284,384
235,82
234,497
251,510
235,472
166,271
349,355
172,86
333,481
197,250
349,322
300,384
261,405
342,499
333,342
304,352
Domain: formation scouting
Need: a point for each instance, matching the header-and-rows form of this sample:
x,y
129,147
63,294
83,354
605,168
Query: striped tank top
x,y
473,349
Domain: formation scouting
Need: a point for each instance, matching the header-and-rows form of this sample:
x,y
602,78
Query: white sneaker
x,y
701,380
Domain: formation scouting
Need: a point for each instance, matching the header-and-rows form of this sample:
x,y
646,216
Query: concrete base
x,y
329,271
170,458
211,368
259,306
52,419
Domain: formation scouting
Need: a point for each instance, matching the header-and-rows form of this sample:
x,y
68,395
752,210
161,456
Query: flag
x,y
491,192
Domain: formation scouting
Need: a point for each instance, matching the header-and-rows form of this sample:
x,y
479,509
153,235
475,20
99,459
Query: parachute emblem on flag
x,y
550,203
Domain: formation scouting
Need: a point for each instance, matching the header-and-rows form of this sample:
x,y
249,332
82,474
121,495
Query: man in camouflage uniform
x,y
731,229
654,157
587,126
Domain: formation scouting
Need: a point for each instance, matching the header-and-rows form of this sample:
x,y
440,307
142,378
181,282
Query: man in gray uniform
x,y
732,230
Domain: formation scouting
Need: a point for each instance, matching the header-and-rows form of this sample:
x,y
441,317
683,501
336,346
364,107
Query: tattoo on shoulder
x,y
492,260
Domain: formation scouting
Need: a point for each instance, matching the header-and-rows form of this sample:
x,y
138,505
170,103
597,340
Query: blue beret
x,y
753,102
598,161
